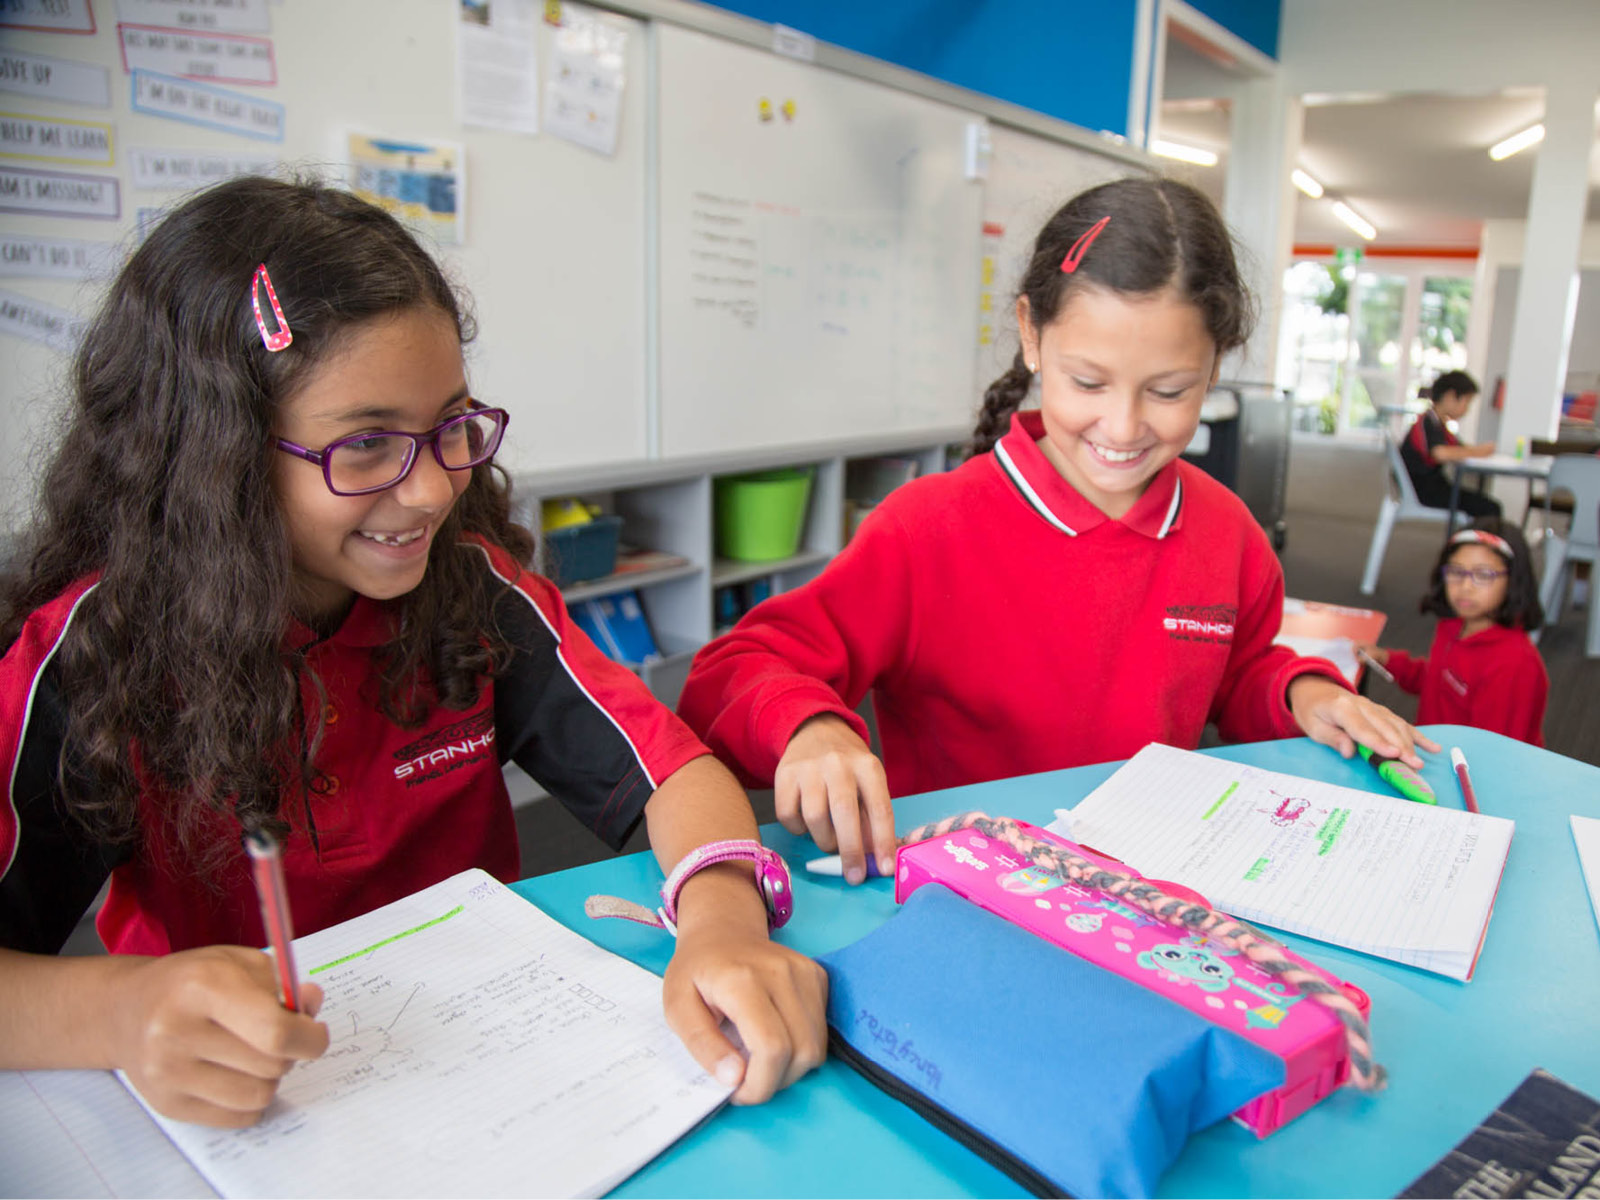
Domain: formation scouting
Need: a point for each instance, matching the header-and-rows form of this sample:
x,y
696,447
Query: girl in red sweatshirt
x,y
1068,594
1482,669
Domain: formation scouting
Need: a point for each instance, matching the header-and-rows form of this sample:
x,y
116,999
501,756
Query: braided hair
x,y
1160,234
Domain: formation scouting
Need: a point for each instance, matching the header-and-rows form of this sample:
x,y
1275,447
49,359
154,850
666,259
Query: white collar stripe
x,y
1004,459
1172,509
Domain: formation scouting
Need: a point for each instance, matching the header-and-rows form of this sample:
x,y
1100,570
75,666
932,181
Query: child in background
x,y
1430,445
1069,593
273,585
1482,669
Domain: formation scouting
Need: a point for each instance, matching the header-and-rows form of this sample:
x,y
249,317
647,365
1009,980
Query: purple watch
x,y
772,881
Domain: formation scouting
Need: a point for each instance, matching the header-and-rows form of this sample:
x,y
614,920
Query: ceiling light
x,y
1354,219
1188,154
1305,183
1531,136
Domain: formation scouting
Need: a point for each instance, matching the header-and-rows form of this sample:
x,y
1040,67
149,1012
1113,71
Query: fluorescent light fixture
x,y
1188,154
1305,183
1354,219
1531,136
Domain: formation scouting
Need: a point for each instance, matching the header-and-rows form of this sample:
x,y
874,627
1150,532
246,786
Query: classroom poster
x,y
24,317
497,64
216,16
25,256
201,104
219,57
423,183
45,78
47,139
588,68
48,16
180,170
59,193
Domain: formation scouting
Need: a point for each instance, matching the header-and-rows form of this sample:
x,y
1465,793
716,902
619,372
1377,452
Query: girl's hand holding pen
x,y
202,1035
829,784
1335,716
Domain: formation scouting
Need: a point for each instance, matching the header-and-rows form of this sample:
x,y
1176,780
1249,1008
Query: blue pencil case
x,y
1072,1079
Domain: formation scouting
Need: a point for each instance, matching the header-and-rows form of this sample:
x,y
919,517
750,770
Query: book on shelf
x,y
1411,882
479,1048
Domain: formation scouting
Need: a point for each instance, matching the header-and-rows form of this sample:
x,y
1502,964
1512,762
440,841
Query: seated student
x,y
1430,445
1068,594
273,585
1482,669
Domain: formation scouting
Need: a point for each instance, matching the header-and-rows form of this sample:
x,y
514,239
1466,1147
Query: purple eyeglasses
x,y
373,462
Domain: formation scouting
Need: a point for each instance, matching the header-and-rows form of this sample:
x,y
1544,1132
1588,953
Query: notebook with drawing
x,y
479,1048
1385,876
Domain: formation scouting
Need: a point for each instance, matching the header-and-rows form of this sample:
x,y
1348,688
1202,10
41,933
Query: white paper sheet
x,y
1340,651
1405,881
479,1048
1586,836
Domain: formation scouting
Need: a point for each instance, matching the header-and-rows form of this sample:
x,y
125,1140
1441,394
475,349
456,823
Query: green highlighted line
x,y
1221,800
362,953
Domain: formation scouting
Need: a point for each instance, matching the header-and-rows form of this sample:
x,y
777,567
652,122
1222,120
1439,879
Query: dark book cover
x,y
1543,1140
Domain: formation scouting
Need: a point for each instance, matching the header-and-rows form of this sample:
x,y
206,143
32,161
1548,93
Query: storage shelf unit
x,y
667,505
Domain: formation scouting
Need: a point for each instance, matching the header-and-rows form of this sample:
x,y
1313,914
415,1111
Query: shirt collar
x,y
367,624
1156,513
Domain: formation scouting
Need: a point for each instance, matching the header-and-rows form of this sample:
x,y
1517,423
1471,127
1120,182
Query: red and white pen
x,y
1459,761
266,862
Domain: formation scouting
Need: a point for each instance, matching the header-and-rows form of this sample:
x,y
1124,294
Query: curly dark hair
x,y
1521,609
174,670
1162,233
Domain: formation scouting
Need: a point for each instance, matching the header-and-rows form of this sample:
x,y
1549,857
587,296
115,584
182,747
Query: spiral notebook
x,y
1410,882
479,1048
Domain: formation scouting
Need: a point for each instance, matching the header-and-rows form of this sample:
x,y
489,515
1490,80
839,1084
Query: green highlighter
x,y
1400,776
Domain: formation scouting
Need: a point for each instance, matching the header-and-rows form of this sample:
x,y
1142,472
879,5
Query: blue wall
x,y
1071,59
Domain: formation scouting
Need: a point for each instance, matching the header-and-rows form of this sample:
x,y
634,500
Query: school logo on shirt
x,y
445,750
1200,622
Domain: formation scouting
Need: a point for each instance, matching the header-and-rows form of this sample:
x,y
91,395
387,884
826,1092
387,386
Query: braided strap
x,y
1366,1074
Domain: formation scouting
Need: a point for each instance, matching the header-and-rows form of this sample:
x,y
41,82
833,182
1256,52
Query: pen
x,y
1375,664
1458,760
832,864
1402,778
266,863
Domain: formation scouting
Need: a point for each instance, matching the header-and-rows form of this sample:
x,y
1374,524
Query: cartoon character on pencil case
x,y
1030,881
1186,962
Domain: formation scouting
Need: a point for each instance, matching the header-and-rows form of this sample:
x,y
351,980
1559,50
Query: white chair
x,y
1400,503
1579,475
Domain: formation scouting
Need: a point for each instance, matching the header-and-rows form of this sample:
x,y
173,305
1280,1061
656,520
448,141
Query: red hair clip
x,y
1079,248
273,340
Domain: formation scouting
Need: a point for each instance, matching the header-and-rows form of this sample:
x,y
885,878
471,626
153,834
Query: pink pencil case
x,y
1203,976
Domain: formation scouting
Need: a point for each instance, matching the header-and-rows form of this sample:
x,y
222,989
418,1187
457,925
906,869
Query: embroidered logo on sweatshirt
x,y
1200,622
444,750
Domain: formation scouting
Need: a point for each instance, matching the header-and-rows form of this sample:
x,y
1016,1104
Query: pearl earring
x,y
1033,368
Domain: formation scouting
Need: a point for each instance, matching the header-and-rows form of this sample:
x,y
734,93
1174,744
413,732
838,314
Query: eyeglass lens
x,y
382,459
1482,576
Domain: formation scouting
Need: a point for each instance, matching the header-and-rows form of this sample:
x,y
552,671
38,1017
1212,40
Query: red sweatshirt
x,y
1005,625
1492,680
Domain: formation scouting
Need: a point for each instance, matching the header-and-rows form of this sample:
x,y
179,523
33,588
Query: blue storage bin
x,y
575,553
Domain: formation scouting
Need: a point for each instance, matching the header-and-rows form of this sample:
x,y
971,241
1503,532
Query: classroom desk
x,y
1453,1050
1529,467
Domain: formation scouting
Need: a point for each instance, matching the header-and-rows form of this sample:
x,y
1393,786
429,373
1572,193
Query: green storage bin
x,y
760,516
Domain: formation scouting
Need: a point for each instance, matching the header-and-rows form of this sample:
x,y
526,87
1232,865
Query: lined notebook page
x,y
479,1048
1386,876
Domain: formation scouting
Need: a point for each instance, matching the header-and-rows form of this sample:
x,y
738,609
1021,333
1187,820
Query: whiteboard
x,y
554,256
1030,177
818,268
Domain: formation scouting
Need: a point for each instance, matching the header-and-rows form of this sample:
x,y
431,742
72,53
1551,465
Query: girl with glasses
x,y
1482,670
273,586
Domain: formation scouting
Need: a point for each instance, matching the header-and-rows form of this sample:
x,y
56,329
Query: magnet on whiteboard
x,y
764,109
979,148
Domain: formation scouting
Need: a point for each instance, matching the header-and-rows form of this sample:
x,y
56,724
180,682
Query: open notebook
x,y
479,1048
1385,876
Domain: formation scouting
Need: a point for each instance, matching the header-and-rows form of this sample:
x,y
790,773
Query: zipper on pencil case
x,y
943,1119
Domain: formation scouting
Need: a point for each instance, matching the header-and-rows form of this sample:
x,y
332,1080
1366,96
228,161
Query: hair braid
x,y
1002,398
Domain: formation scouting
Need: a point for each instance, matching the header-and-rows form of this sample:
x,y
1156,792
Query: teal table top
x,y
1453,1050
